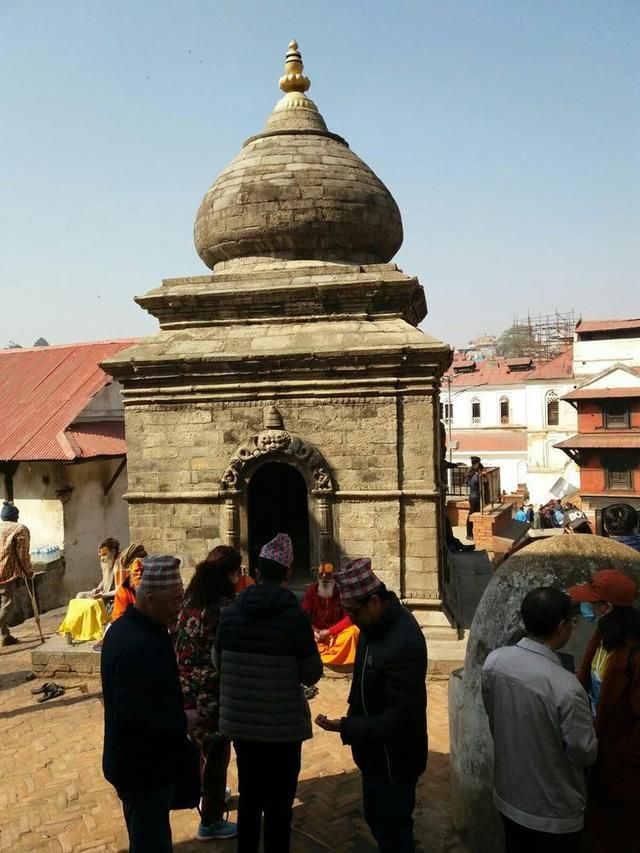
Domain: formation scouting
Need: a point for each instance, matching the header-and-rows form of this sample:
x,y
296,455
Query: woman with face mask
x,y
610,673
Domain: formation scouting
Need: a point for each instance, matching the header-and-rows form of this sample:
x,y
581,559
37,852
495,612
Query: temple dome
x,y
297,191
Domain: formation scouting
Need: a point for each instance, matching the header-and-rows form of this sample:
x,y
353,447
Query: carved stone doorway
x,y
277,503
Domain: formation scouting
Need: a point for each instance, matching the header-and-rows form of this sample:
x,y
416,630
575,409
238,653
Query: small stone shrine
x,y
291,389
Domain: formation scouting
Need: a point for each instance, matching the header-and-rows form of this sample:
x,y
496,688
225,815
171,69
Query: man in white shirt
x,y
542,731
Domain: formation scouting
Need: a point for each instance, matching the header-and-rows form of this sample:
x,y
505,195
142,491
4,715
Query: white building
x,y
510,412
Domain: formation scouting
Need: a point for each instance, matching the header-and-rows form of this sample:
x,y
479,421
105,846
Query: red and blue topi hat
x,y
356,580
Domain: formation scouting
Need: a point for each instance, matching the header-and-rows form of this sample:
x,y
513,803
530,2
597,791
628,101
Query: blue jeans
x,y
388,809
147,817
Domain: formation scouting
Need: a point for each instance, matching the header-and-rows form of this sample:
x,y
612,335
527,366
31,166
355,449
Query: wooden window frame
x,y
623,417
552,400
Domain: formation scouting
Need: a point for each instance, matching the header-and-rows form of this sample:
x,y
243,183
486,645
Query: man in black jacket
x,y
265,651
386,724
145,726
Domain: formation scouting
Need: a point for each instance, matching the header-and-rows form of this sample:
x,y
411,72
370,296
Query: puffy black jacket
x,y
386,725
145,727
265,652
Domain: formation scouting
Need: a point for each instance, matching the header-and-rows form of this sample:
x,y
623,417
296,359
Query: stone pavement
x,y
53,798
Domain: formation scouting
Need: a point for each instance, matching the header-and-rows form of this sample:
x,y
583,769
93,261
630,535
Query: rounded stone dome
x,y
297,191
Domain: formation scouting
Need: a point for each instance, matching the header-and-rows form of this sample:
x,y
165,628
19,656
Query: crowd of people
x,y
187,674
229,662
567,746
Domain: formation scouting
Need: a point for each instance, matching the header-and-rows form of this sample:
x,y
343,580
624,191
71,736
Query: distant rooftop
x,y
42,392
603,329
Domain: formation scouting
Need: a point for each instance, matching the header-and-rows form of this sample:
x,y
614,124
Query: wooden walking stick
x,y
31,592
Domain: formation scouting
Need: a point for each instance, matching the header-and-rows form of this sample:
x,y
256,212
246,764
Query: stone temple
x,y
290,388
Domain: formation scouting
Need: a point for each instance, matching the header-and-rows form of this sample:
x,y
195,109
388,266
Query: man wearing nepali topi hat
x,y
265,652
145,725
386,722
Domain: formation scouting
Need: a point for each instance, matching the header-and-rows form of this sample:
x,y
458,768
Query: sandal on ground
x,y
58,690
9,640
46,687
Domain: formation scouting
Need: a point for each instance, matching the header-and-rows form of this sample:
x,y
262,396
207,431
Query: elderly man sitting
x,y
108,554
336,635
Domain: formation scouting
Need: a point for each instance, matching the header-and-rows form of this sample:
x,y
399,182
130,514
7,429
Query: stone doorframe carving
x,y
275,443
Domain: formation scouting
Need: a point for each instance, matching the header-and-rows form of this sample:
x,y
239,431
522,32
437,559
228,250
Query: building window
x,y
446,411
616,415
553,409
504,410
619,479
475,411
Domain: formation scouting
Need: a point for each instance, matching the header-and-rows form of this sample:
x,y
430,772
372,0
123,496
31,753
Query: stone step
x,y
56,658
445,657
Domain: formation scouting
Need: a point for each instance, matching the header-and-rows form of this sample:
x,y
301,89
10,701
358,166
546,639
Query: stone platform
x,y
56,658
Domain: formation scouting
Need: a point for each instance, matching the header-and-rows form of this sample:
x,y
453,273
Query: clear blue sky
x,y
507,130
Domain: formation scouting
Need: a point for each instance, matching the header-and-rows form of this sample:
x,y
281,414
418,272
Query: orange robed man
x,y
336,635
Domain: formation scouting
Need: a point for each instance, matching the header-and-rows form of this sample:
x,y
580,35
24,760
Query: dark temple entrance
x,y
277,503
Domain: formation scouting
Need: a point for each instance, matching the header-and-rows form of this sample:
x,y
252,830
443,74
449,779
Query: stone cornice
x,y
299,294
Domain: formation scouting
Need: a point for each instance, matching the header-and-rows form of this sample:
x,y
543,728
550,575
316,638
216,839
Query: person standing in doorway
x,y
543,737
145,725
15,563
386,723
264,639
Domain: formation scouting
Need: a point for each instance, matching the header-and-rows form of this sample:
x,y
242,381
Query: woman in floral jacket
x,y
210,589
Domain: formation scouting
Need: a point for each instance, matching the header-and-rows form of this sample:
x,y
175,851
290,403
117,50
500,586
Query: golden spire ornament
x,y
293,79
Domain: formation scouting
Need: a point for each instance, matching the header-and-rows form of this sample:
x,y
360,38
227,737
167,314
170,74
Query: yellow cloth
x,y
340,650
85,619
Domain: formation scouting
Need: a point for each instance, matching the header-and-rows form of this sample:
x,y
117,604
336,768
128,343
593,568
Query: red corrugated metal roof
x,y
560,367
489,441
606,440
43,390
99,438
584,326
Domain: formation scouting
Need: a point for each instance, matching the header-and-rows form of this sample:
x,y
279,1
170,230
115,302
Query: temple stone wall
x,y
376,451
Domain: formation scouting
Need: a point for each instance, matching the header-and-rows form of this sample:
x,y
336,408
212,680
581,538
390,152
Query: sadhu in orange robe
x,y
339,649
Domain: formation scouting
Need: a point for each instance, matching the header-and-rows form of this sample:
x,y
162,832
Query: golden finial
x,y
293,79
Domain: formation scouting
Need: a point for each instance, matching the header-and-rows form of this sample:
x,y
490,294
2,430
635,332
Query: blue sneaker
x,y
219,829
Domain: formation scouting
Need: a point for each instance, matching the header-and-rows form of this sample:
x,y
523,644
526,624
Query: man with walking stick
x,y
15,563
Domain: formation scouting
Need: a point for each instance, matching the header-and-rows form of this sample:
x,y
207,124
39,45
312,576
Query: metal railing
x,y
490,490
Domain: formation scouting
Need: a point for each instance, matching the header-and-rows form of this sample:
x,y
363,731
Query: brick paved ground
x,y
53,797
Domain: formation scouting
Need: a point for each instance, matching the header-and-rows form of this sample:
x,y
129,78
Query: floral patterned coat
x,y
198,677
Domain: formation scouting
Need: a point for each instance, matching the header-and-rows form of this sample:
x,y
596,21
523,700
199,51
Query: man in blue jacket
x,y
265,651
386,724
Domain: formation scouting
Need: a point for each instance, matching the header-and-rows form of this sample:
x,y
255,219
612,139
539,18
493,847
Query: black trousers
x,y
147,818
519,839
267,782
474,506
388,810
